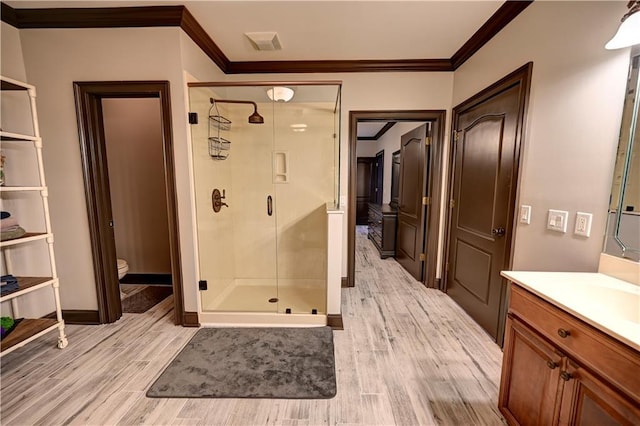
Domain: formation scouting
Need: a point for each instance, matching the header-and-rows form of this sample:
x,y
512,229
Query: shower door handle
x,y
269,205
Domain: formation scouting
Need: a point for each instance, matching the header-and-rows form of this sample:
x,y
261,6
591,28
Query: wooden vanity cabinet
x,y
560,370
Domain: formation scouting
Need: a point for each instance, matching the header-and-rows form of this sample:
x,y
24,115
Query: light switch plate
x,y
583,224
557,220
525,214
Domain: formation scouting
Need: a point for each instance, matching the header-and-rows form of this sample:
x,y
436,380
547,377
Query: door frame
x,y
520,76
88,96
434,184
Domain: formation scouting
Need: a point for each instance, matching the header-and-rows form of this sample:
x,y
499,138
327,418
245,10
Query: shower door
x,y
236,244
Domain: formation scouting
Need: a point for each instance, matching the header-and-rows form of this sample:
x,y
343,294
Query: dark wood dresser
x,y
382,228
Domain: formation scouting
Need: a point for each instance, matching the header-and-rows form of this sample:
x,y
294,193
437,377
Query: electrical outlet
x,y
525,214
583,224
557,220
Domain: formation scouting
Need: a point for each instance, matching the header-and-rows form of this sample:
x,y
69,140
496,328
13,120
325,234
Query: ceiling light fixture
x,y
280,94
629,32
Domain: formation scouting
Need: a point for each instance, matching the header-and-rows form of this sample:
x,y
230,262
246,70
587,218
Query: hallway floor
x,y
408,356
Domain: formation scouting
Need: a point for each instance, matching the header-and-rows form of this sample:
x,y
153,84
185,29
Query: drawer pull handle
x,y
565,376
563,333
551,364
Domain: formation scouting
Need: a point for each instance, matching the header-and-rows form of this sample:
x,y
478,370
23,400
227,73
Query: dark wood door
x,y
378,175
364,189
414,161
485,152
395,178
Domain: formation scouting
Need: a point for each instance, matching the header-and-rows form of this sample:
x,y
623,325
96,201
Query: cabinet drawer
x,y
612,360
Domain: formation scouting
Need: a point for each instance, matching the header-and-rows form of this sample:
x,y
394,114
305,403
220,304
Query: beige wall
x,y
133,136
12,64
573,122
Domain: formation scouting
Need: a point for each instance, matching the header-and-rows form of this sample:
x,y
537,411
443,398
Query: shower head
x,y
254,118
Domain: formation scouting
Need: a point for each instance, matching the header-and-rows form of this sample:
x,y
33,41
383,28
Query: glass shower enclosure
x,y
264,171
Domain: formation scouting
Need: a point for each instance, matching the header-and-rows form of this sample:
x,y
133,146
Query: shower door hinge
x,y
426,201
202,285
422,257
193,118
427,141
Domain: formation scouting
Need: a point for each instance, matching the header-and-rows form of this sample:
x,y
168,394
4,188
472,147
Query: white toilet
x,y
123,268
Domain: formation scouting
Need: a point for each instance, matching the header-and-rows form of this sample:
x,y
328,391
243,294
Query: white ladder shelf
x,y
30,329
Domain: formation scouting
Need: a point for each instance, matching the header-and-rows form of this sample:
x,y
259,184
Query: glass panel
x,y
305,150
253,261
237,245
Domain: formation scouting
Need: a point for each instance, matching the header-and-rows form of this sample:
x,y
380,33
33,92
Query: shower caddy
x,y
30,328
218,146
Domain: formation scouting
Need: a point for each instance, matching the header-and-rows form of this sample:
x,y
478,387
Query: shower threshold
x,y
260,319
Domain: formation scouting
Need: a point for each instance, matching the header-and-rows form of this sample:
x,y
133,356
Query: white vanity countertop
x,y
609,304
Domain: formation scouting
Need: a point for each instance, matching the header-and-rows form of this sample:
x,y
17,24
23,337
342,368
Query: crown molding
x,y
193,29
380,133
179,16
383,65
503,16
8,15
98,17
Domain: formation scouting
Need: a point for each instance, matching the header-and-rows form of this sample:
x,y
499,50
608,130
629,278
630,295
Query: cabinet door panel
x,y
588,401
531,385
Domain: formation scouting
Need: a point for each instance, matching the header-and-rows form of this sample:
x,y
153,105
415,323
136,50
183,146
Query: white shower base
x,y
246,302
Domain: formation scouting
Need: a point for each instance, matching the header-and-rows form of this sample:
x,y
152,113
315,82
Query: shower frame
x,y
262,319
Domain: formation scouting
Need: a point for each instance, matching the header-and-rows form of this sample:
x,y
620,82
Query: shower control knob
x,y
216,200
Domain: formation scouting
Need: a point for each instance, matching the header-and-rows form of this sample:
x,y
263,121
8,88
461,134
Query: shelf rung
x,y
11,84
27,285
17,137
21,188
28,237
29,329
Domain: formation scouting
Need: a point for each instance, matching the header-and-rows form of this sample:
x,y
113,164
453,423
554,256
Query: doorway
x,y
487,134
90,111
364,191
431,184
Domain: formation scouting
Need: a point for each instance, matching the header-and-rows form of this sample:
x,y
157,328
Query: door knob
x,y
498,232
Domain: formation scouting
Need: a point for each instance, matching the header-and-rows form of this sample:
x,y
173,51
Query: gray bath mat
x,y
252,363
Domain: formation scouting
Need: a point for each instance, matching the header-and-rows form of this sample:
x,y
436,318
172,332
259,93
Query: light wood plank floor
x,y
408,356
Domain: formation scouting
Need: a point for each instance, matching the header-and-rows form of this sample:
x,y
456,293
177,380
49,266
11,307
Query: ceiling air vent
x,y
264,40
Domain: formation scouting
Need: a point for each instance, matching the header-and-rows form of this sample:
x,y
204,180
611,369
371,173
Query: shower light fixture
x,y
280,94
254,118
629,32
